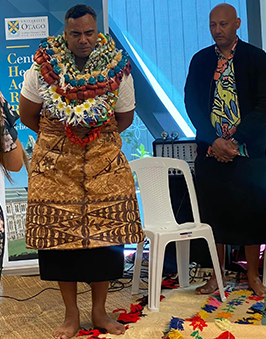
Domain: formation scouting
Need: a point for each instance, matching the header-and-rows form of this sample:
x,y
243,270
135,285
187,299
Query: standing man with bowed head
x,y
78,96
225,97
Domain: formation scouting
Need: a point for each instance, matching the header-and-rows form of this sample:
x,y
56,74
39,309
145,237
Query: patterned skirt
x,y
80,197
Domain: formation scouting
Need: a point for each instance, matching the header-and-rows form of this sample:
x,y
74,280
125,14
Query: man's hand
x,y
224,150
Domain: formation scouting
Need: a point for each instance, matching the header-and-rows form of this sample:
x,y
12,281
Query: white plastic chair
x,y
161,227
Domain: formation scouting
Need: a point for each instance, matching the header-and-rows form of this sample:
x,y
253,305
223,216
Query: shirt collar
x,y
232,53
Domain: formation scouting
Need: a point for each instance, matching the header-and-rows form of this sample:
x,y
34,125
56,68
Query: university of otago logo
x,y
13,27
26,28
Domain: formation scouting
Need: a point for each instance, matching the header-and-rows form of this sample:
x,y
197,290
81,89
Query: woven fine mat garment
x,y
80,197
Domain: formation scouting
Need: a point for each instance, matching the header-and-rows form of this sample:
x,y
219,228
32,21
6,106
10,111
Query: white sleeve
x,y
30,88
126,98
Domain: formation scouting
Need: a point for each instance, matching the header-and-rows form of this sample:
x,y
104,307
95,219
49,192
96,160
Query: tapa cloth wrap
x,y
80,197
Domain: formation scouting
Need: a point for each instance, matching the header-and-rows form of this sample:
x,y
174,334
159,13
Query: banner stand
x,y
32,269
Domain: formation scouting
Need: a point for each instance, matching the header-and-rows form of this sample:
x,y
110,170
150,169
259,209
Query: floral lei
x,y
84,98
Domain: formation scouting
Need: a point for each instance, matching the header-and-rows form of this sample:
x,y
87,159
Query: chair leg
x,y
216,265
137,268
152,272
154,305
182,259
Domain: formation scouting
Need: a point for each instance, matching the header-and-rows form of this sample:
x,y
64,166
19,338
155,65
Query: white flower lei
x,y
94,108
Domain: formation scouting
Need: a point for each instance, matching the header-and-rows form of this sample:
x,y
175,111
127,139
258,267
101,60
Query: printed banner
x,y
24,24
26,28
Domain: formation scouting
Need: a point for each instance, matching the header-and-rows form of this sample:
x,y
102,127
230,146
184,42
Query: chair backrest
x,y
153,180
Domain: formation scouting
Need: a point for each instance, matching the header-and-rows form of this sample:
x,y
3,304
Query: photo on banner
x,y
24,24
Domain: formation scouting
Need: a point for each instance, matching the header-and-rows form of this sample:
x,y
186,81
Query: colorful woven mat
x,y
242,307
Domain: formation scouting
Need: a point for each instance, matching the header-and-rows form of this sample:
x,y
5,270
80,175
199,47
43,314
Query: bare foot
x,y
255,284
69,327
103,321
210,287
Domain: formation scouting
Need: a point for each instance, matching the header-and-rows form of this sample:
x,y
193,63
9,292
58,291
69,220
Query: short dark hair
x,y
78,11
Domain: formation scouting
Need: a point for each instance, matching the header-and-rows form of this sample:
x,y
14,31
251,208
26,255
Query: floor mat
x,y
242,306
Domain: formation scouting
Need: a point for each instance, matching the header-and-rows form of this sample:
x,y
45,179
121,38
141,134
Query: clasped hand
x,y
224,150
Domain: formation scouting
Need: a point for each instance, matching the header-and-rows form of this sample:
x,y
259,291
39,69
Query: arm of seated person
x,y
13,160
